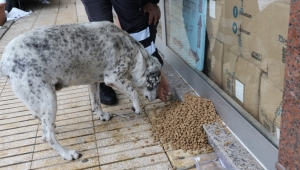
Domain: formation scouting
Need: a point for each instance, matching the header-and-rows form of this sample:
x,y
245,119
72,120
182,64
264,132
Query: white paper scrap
x,y
16,13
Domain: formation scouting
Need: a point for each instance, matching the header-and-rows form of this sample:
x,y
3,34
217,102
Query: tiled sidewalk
x,y
116,144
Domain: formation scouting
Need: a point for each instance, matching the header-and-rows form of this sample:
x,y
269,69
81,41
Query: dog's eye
x,y
149,87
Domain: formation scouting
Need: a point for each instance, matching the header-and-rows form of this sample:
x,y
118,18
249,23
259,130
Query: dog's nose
x,y
156,97
146,97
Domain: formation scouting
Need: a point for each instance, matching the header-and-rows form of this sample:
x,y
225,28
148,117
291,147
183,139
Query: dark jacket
x,y
131,15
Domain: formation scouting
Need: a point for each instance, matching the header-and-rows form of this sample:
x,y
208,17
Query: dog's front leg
x,y
96,103
126,88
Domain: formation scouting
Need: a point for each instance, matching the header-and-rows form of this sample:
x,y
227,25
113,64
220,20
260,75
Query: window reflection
x,y
185,25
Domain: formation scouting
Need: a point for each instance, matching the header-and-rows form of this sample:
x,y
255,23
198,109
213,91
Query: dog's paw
x,y
105,116
71,155
136,110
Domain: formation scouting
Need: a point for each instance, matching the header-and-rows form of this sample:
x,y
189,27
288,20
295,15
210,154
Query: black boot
x,y
107,95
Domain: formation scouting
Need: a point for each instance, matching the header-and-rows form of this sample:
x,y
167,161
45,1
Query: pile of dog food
x,y
181,123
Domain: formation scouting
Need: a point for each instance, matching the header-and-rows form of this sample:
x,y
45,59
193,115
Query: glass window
x,y
159,29
185,25
244,53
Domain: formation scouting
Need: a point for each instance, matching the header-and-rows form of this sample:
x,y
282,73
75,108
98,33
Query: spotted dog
x,y
44,60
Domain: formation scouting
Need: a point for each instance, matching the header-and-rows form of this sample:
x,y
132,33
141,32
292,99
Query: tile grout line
x,y
76,10
3,87
34,144
58,9
161,144
38,122
94,134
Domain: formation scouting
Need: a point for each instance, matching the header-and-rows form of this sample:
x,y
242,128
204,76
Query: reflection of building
x,y
199,32
200,6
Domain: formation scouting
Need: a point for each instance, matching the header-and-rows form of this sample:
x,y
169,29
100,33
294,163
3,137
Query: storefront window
x,y
185,25
159,29
245,51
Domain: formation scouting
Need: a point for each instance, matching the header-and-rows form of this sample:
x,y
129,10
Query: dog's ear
x,y
153,80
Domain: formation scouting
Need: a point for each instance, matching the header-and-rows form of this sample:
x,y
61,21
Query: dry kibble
x,y
152,160
180,123
217,132
227,143
227,131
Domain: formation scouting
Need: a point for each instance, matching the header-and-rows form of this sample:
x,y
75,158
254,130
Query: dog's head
x,y
151,79
152,82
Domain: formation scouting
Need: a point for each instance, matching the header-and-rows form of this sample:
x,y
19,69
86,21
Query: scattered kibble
x,y
181,123
217,132
227,143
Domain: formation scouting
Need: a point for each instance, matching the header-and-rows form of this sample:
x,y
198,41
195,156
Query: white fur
x,y
44,60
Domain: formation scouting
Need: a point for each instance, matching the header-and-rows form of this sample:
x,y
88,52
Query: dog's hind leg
x,y
48,120
95,101
41,99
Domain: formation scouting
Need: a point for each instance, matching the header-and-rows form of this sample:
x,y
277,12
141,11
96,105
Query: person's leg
x,y
101,10
98,10
153,31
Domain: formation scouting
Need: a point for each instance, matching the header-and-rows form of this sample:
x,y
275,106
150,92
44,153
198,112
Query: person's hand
x,y
163,88
154,13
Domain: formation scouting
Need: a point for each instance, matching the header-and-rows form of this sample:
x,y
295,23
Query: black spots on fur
x,y
116,45
30,83
122,81
86,46
19,64
45,123
62,33
128,88
39,45
101,42
65,41
129,49
106,75
79,45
